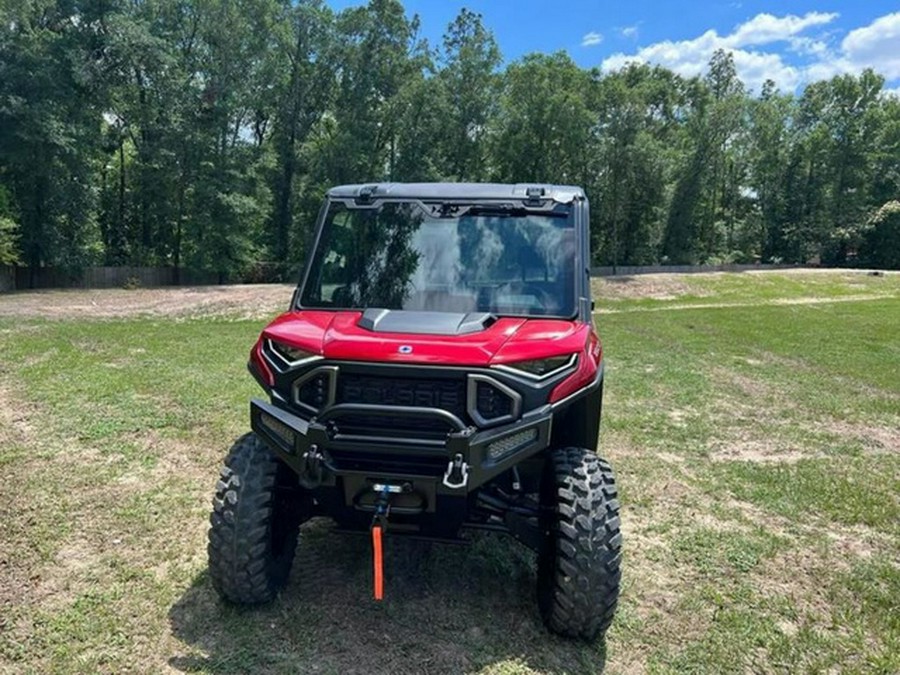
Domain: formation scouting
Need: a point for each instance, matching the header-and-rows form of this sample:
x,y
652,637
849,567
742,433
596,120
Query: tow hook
x,y
310,474
457,474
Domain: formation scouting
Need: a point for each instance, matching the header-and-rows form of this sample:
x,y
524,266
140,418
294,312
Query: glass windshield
x,y
403,255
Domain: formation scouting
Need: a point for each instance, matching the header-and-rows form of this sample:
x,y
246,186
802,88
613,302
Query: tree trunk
x,y
120,225
176,249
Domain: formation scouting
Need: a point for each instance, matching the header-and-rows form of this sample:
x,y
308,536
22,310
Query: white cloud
x,y
875,46
591,39
807,46
619,60
629,32
754,66
872,46
765,29
826,68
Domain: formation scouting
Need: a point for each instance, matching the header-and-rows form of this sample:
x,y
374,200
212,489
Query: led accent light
x,y
511,443
491,402
278,429
290,355
315,388
540,368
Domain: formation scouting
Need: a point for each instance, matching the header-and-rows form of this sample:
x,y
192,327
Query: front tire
x,y
581,548
254,524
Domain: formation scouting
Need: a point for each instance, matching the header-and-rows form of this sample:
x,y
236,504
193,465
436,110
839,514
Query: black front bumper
x,y
461,463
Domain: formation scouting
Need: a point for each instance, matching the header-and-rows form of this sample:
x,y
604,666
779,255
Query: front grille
x,y
445,394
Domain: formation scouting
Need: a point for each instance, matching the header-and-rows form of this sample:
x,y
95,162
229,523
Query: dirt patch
x,y
774,523
876,438
15,569
55,545
747,441
752,421
60,581
240,301
760,451
737,305
749,387
189,459
651,286
857,542
796,574
14,425
749,398
253,301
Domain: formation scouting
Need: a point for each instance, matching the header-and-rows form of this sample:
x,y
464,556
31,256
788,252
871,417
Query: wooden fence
x,y
22,278
7,279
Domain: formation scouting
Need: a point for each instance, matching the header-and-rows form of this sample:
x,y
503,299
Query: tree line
x,y
202,135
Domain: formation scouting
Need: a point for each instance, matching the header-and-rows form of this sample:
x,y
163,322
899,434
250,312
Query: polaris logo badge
x,y
405,349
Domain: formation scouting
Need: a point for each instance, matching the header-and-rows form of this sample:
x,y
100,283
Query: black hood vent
x,y
424,323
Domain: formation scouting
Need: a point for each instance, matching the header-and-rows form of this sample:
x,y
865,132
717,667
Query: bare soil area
x,y
264,300
244,301
654,286
672,286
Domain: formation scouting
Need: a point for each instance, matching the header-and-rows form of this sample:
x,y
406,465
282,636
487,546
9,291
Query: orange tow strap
x,y
376,555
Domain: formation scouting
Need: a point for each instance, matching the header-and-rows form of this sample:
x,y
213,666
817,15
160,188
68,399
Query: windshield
x,y
405,255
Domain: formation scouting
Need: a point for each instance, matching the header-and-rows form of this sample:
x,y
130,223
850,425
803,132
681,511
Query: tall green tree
x,y
50,102
851,117
378,55
707,201
203,135
302,77
229,199
636,127
469,87
770,141
421,130
9,235
543,127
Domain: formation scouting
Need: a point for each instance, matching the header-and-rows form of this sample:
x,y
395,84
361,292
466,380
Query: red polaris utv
x,y
437,371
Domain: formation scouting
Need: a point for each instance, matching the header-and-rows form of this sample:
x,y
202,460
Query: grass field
x,y
753,419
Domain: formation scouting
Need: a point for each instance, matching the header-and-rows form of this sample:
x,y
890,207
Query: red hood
x,y
336,335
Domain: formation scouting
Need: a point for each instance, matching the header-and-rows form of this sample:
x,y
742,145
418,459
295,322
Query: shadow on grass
x,y
447,609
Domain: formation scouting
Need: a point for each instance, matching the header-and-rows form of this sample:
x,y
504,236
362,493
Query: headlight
x,y
289,354
541,368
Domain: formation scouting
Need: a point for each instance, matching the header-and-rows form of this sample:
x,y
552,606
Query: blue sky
x,y
792,41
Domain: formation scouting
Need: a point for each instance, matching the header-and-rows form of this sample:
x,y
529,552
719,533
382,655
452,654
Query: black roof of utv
x,y
558,193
